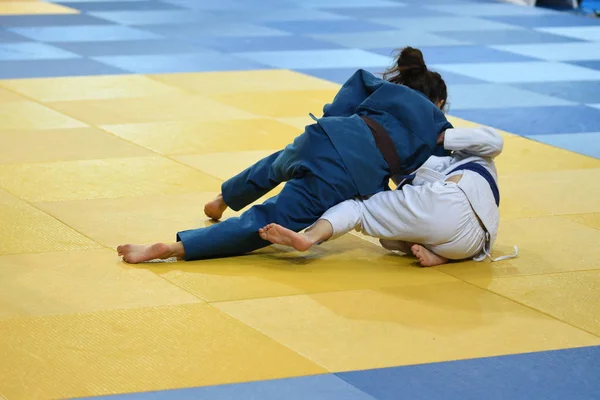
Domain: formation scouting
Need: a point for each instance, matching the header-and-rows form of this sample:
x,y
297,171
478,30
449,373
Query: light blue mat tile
x,y
32,51
443,23
485,96
507,36
55,68
546,20
557,51
583,143
84,33
199,32
327,26
316,59
156,64
154,17
591,33
522,72
391,38
577,91
492,9
22,21
132,47
547,120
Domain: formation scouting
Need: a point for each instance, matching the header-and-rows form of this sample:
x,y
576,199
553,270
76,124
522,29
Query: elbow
x,y
496,143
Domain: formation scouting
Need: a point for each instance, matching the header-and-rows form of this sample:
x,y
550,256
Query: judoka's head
x,y
410,70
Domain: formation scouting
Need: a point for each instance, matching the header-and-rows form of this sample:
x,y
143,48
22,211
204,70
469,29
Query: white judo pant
x,y
437,215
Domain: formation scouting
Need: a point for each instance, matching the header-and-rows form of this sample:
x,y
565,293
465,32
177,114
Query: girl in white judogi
x,y
449,211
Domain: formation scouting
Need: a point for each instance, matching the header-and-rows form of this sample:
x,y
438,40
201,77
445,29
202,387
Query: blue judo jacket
x,y
409,117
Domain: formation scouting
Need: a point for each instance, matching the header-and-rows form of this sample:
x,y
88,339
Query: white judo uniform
x,y
454,220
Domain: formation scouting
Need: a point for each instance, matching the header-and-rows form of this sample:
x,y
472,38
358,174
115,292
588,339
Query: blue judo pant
x,y
316,181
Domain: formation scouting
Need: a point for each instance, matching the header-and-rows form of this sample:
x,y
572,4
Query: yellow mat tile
x,y
550,244
345,264
90,87
7,96
100,179
140,219
28,146
591,220
279,104
79,282
410,325
530,194
224,165
245,81
299,123
199,137
30,7
30,115
571,297
522,155
148,109
25,229
137,350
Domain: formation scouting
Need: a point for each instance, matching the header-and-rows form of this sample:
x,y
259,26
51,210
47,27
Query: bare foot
x,y
277,234
214,209
427,258
137,253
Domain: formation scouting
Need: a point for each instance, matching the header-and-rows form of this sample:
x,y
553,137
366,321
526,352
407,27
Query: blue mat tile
x,y
591,33
398,10
492,9
213,28
557,51
484,96
578,91
23,21
337,75
320,387
452,78
11,37
469,54
228,4
582,143
277,14
198,62
442,24
267,43
55,68
524,72
348,3
327,27
121,5
389,39
131,47
32,51
153,17
588,64
506,36
549,20
84,33
537,120
318,59
551,375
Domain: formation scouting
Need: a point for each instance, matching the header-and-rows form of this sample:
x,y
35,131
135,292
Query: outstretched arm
x,y
483,141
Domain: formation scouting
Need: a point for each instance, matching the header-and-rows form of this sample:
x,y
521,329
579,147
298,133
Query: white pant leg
x,y
436,215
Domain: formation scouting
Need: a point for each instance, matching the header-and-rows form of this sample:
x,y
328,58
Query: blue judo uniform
x,y
334,160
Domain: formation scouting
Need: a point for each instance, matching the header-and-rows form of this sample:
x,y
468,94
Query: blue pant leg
x,y
262,177
300,204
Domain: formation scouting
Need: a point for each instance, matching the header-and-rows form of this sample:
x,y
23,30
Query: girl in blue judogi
x,y
373,130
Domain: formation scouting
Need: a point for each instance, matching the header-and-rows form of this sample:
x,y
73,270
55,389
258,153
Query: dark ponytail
x,y
410,70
